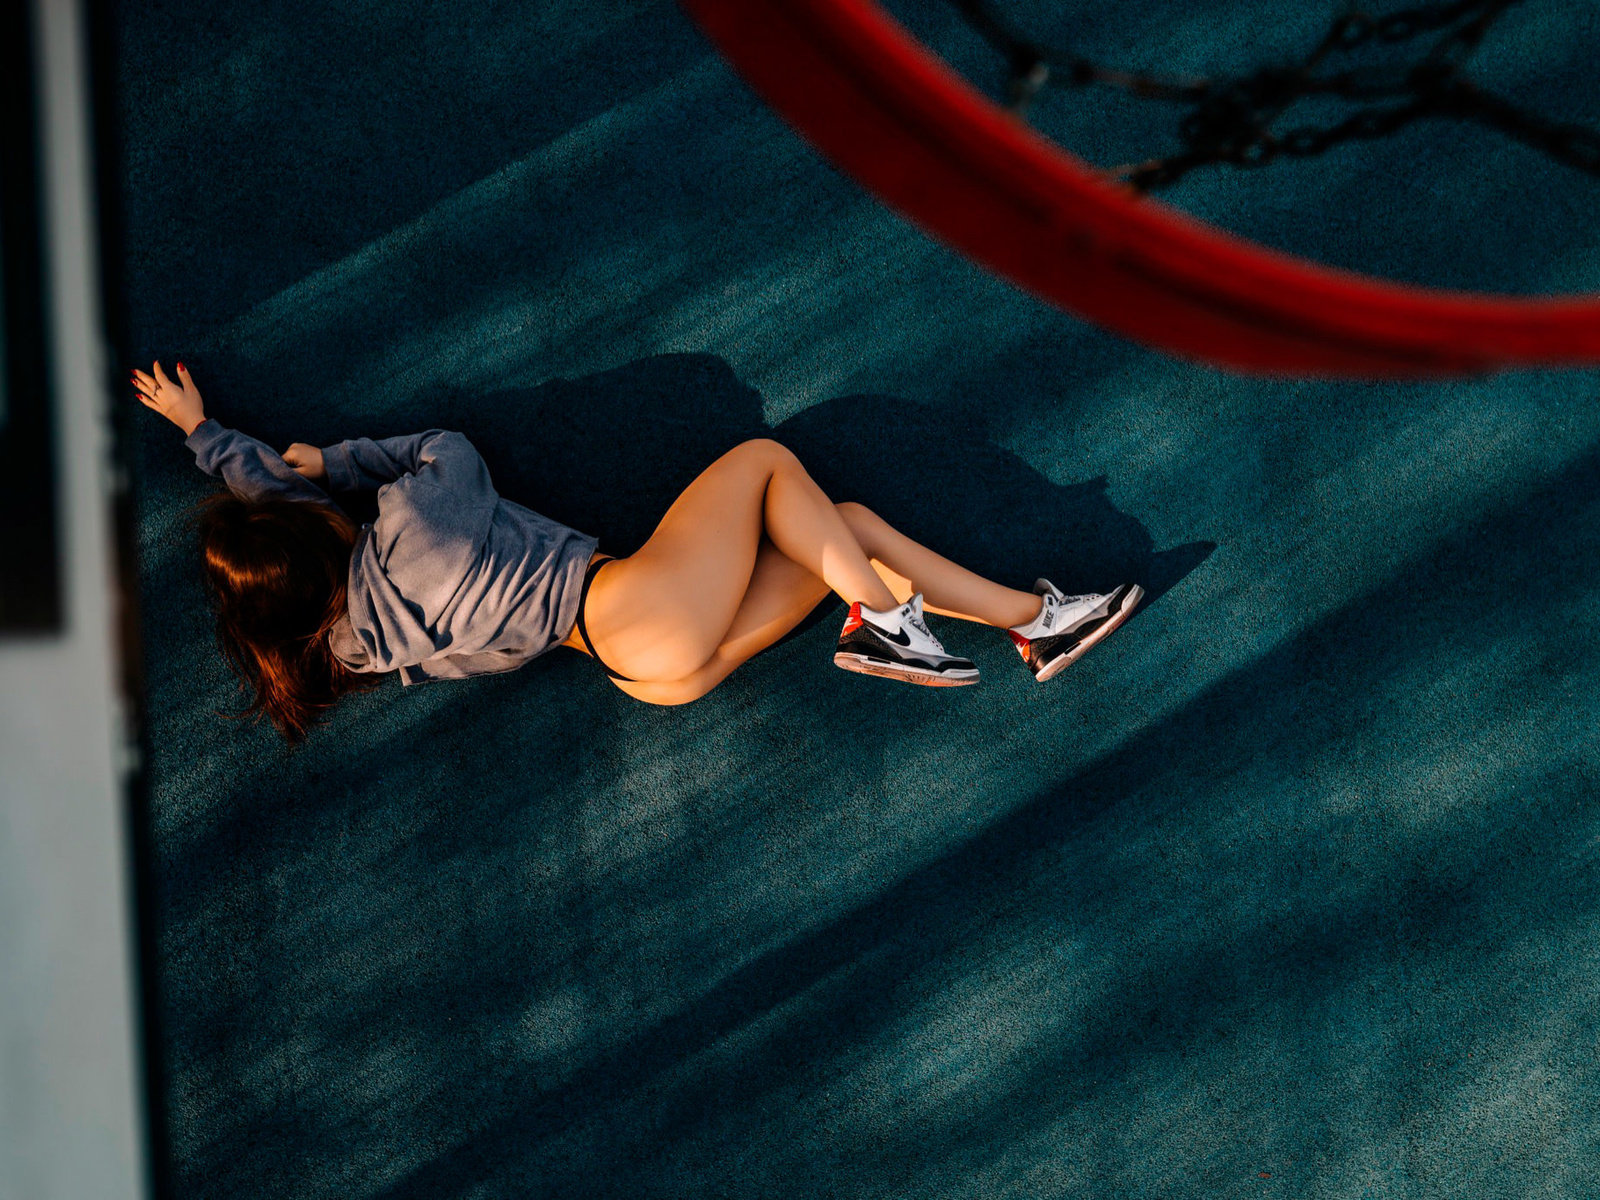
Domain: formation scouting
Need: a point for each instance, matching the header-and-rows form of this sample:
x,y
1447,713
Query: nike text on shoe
x,y
897,645
1067,626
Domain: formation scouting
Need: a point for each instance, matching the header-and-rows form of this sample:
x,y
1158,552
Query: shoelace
x,y
916,623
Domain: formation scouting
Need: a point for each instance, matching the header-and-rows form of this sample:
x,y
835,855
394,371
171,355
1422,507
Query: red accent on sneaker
x,y
1025,645
853,622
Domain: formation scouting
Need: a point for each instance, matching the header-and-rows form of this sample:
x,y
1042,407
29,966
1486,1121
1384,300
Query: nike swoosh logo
x,y
899,639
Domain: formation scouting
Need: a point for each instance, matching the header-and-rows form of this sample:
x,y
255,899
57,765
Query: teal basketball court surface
x,y
1288,889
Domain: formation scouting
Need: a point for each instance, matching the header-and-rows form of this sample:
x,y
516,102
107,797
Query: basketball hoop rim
x,y
855,83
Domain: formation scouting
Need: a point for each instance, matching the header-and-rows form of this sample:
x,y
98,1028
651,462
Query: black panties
x,y
583,602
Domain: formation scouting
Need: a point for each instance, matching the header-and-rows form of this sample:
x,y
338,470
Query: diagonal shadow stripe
x,y
1477,585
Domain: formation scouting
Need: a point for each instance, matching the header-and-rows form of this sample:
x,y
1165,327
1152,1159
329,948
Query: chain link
x,y
1231,120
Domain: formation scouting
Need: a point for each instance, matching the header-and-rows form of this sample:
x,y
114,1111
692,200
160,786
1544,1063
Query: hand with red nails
x,y
179,402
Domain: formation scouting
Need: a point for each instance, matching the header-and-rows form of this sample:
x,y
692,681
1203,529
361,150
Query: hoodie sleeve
x,y
441,458
252,470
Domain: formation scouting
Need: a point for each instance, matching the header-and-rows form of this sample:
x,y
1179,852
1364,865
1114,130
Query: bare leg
x,y
661,614
782,593
952,590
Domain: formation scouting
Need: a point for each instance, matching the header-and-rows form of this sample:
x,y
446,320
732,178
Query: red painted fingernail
x,y
181,367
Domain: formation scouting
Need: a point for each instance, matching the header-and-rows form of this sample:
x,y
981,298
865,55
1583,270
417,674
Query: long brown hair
x,y
277,571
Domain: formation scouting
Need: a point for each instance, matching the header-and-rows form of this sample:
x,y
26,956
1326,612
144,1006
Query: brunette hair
x,y
277,571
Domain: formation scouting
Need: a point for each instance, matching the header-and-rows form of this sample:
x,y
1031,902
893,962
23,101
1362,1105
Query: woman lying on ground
x,y
452,581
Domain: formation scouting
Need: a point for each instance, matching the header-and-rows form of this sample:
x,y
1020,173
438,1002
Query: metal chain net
x,y
1234,119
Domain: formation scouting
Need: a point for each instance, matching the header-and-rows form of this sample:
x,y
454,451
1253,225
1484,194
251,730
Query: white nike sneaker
x,y
1067,626
898,645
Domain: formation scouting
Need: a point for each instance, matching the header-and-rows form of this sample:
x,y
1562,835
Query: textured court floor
x,y
1288,890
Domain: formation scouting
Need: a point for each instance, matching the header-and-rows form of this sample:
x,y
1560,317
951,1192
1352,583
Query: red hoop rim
x,y
904,125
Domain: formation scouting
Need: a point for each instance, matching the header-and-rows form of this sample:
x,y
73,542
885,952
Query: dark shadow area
x,y
318,127
976,502
608,453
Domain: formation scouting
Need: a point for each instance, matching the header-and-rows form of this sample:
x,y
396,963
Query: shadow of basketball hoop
x,y
607,453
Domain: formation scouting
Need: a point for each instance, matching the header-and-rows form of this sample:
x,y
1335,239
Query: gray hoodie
x,y
450,580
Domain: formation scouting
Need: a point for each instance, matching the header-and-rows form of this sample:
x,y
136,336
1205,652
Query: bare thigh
x,y
661,613
781,594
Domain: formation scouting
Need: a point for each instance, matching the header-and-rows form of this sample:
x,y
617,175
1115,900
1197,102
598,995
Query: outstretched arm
x,y
252,469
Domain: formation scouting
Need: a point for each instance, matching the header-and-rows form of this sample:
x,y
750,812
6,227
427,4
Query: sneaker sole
x,y
1135,594
870,666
